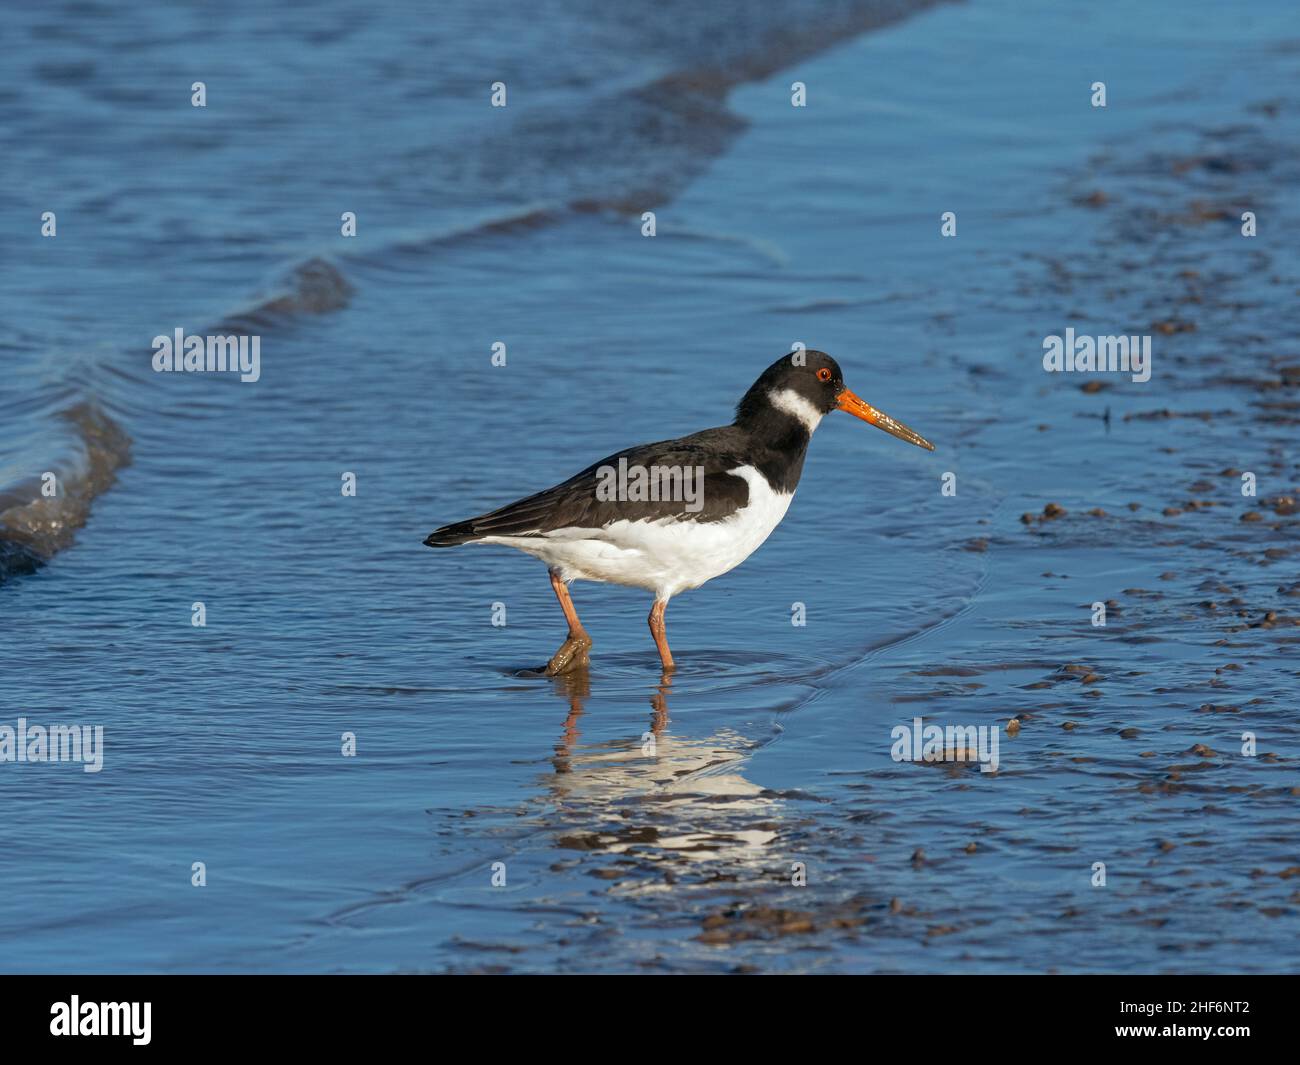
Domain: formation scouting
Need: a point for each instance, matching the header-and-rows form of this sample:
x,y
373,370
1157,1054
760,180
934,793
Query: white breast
x,y
666,556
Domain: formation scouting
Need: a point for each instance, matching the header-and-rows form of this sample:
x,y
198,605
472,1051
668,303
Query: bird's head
x,y
806,386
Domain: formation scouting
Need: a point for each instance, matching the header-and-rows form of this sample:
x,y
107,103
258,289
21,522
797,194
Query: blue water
x,y
645,825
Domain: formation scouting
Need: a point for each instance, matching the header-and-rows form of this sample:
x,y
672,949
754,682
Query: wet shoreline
x,y
748,815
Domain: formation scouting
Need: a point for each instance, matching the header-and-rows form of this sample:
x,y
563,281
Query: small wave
x,y
315,286
638,149
33,526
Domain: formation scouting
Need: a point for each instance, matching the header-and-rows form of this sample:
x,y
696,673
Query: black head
x,y
803,384
799,389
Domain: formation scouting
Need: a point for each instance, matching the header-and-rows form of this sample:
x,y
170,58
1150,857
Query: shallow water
x,y
643,825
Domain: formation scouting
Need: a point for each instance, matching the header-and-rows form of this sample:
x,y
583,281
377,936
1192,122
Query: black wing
x,y
584,500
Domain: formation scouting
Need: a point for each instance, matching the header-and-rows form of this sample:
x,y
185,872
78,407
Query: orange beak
x,y
860,408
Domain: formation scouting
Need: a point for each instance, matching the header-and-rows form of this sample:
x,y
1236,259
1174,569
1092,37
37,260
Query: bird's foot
x,y
571,655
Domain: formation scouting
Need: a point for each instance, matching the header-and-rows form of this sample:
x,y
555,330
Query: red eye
x,y
823,374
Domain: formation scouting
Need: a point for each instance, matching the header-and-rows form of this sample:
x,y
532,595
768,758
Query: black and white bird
x,y
669,516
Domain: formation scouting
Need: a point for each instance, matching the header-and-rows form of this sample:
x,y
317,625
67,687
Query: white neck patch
x,y
791,402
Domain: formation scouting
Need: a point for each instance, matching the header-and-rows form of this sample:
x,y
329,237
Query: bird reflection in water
x,y
575,686
660,796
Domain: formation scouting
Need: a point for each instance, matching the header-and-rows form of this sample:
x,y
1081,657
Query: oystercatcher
x,y
669,516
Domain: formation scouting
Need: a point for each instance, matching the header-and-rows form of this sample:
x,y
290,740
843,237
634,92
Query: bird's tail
x,y
462,532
